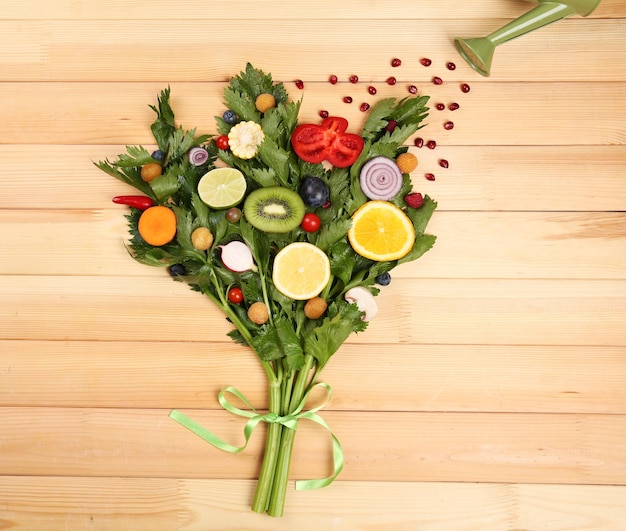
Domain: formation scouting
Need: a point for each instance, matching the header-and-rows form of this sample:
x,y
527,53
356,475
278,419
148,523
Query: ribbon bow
x,y
290,421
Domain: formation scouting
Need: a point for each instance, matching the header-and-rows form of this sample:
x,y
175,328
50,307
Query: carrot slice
x,y
157,225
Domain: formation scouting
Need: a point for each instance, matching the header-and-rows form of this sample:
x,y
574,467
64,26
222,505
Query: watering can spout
x,y
478,52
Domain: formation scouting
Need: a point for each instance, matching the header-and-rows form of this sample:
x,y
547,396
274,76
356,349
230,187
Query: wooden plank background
x,y
489,392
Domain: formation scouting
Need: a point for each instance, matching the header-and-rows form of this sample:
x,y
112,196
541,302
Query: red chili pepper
x,y
136,201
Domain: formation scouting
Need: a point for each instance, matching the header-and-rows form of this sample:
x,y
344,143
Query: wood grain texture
x,y
488,394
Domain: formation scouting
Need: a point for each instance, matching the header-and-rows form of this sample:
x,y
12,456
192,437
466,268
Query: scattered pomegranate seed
x,y
443,163
324,114
426,62
372,90
391,125
448,125
440,106
391,80
347,99
299,83
364,107
412,89
465,88
333,79
419,142
396,62
431,144
437,80
451,66
430,176
354,79
453,106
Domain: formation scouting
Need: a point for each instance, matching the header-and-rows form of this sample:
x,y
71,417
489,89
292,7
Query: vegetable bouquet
x,y
290,228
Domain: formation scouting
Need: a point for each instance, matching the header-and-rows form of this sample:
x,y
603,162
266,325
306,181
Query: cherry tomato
x,y
221,142
235,295
310,222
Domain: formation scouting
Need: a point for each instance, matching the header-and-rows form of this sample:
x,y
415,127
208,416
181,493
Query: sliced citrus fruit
x,y
301,271
381,231
222,187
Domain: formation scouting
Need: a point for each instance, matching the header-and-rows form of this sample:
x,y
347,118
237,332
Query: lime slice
x,y
301,271
222,187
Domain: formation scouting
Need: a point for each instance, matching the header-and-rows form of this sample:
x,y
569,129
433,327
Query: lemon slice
x,y
381,231
222,187
301,271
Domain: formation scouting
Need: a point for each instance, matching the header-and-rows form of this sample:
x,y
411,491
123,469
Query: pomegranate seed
x,y
440,106
391,80
364,107
372,90
453,106
324,114
448,125
431,144
333,79
347,99
443,163
465,88
391,125
451,66
437,80
426,62
354,79
299,84
396,62
419,142
412,89
430,176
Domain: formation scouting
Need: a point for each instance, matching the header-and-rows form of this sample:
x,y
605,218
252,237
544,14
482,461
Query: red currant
x,y
221,142
310,222
235,295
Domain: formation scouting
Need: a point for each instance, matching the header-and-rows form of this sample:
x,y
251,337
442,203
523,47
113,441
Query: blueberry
x,y
158,155
177,270
229,117
384,279
314,192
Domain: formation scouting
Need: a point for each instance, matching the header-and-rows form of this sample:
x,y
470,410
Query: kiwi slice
x,y
274,209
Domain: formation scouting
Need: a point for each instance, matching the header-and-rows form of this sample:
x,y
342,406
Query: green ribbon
x,y
290,421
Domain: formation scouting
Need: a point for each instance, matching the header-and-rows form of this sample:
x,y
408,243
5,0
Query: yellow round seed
x,y
265,102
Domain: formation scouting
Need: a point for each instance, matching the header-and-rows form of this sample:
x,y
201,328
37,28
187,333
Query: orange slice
x,y
381,231
301,271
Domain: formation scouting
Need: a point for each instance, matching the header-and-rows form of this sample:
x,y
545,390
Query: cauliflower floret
x,y
245,138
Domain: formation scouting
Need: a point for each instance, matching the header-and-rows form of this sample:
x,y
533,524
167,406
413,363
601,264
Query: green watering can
x,y
479,52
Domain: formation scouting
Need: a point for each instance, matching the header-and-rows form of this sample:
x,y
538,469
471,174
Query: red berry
x,y
431,144
429,176
412,89
333,79
396,62
448,125
425,61
354,79
299,83
391,80
419,142
347,99
364,107
391,125
443,163
372,90
221,142
451,66
414,200
437,80
310,222
235,295
465,88
453,106
440,106
324,114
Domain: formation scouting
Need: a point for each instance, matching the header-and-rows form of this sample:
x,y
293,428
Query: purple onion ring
x,y
380,178
198,156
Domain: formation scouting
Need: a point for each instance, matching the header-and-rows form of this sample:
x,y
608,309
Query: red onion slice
x,y
380,178
198,156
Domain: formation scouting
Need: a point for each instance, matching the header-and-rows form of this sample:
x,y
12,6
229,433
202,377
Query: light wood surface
x,y
489,393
